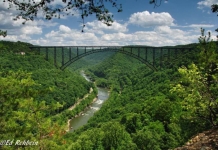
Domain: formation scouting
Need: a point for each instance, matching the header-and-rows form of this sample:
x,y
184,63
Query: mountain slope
x,y
141,105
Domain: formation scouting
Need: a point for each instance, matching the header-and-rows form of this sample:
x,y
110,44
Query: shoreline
x,y
69,128
68,121
79,100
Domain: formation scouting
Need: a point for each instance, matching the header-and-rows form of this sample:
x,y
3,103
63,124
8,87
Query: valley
x,y
145,109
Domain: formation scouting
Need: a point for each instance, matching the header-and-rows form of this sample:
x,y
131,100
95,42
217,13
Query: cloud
x,y
117,37
16,31
20,37
54,4
201,25
96,26
146,19
4,7
160,36
66,36
163,29
197,26
64,29
28,30
206,3
47,23
16,28
163,33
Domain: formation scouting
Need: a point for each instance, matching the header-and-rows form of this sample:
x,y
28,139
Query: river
x,y
81,120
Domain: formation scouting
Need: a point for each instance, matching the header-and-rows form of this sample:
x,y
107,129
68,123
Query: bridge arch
x,y
153,57
69,62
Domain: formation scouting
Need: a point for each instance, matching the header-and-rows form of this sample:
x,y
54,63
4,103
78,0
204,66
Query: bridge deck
x,y
153,57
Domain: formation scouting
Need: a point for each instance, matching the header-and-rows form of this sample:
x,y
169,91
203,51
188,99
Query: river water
x,y
81,120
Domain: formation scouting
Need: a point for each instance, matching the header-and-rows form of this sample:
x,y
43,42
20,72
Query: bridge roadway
x,y
153,57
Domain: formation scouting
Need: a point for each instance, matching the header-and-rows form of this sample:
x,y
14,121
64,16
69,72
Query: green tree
x,y
89,140
3,33
198,85
115,137
214,9
150,137
23,118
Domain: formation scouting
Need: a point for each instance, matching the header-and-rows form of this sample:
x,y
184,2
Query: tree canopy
x,y
198,84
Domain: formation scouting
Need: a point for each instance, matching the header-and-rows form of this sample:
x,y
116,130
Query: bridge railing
x,y
154,57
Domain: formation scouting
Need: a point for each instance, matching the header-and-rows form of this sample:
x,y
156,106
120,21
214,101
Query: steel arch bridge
x,y
153,57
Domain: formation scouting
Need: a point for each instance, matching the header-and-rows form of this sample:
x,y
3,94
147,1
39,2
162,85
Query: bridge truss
x,y
153,57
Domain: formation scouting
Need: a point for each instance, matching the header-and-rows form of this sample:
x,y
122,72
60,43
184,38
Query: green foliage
x,y
67,87
114,71
3,33
140,113
141,102
150,137
22,117
109,136
214,9
198,85
15,47
114,136
31,102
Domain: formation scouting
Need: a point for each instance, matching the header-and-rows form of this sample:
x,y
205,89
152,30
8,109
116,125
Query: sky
x,y
175,22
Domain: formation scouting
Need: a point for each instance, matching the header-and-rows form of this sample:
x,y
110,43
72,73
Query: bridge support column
x,y
46,55
39,50
62,49
138,52
176,52
150,58
153,57
161,57
70,54
55,57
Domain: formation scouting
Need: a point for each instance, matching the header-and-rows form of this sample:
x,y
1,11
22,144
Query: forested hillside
x,y
146,109
153,110
110,71
108,75
66,86
32,92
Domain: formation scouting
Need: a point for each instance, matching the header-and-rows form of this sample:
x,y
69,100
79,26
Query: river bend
x,y
81,120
